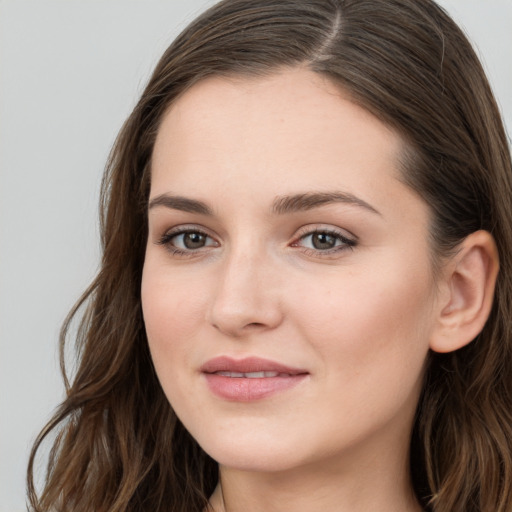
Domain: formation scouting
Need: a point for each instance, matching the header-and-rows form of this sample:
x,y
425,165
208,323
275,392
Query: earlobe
x,y
469,280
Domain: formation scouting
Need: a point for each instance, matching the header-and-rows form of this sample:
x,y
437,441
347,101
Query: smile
x,y
249,379
251,375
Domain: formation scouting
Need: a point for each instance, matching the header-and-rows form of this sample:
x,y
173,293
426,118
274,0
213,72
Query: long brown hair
x,y
118,444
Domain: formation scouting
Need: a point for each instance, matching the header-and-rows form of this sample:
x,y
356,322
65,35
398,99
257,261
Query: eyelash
x,y
346,243
165,240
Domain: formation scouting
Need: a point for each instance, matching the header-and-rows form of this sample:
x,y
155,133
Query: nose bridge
x,y
246,295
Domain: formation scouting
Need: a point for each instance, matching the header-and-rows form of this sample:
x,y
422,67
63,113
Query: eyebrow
x,y
281,205
181,203
310,200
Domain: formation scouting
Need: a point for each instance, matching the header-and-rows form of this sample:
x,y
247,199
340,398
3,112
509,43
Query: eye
x,y
321,241
324,241
190,240
186,241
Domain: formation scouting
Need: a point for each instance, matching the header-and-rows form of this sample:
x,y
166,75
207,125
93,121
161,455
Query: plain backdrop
x,y
70,72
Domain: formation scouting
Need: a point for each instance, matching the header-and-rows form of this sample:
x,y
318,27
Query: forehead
x,y
294,129
294,105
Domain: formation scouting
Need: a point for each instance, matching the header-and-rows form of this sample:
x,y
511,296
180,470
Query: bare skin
x,y
238,264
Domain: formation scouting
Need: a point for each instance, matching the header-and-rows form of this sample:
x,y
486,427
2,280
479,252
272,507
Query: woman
x,y
298,307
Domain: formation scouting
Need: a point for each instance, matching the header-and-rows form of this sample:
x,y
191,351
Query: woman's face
x,y
287,287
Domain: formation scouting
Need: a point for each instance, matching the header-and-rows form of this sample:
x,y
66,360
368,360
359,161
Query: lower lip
x,y
243,389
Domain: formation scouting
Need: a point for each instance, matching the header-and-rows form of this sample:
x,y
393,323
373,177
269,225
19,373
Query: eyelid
x,y
325,228
186,228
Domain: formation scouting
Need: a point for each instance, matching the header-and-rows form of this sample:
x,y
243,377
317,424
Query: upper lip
x,y
247,365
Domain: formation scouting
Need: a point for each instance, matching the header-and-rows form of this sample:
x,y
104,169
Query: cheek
x,y
370,320
370,331
172,315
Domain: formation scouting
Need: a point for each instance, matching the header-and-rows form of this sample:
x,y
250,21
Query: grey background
x,y
70,71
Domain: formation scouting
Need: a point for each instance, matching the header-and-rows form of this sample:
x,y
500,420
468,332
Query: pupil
x,y
323,241
193,240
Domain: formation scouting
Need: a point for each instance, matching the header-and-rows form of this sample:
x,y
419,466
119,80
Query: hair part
x,y
120,446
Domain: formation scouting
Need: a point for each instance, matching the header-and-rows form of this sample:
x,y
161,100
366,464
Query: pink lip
x,y
245,389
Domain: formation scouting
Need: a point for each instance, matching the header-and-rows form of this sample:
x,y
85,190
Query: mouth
x,y
251,375
249,367
249,379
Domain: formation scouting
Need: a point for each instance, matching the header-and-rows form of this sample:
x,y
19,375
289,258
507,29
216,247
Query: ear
x,y
467,291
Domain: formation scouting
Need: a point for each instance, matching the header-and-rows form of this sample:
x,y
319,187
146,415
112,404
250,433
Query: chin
x,y
263,461
252,452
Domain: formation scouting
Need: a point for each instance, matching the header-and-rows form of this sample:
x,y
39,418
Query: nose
x,y
246,298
